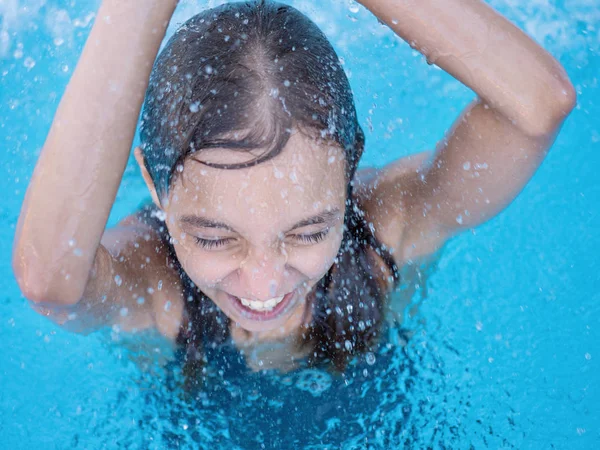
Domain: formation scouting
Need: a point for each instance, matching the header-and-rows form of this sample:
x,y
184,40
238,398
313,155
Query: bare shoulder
x,y
147,276
133,285
384,195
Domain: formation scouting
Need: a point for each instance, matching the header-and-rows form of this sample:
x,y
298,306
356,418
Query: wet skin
x,y
261,232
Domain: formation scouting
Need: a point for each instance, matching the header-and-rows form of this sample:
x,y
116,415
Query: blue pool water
x,y
506,345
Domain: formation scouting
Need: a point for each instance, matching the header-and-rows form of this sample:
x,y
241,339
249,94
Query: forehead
x,y
307,176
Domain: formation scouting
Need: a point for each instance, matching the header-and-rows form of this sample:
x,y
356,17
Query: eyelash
x,y
314,238
211,244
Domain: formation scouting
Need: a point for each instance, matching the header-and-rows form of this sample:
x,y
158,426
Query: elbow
x,y
36,285
552,110
568,99
32,290
31,287
40,292
564,100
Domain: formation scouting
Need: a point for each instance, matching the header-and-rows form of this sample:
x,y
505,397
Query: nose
x,y
262,273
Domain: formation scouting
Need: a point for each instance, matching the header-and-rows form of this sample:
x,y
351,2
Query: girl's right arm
x,y
58,258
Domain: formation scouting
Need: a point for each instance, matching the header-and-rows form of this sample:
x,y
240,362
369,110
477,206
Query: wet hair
x,y
241,76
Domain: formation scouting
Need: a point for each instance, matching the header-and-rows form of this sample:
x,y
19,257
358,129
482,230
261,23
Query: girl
x,y
261,231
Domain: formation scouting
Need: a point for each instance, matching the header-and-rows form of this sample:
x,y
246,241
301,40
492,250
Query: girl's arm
x,y
497,143
57,254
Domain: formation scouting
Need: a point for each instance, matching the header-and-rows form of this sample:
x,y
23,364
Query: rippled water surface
x,y
506,344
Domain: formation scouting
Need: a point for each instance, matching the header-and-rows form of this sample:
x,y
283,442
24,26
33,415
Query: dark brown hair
x,y
240,76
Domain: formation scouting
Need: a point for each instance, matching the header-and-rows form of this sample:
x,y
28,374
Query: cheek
x,y
205,269
314,261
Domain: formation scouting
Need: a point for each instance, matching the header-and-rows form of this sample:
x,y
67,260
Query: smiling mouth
x,y
267,305
266,310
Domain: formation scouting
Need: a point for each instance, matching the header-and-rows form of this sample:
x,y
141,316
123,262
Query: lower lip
x,y
251,314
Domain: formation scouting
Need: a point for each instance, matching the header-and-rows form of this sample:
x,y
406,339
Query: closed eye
x,y
312,238
210,244
304,239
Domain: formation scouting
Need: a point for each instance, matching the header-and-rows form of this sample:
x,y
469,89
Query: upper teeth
x,y
267,305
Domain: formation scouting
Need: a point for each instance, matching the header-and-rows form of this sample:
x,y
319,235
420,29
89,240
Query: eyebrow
x,y
203,222
322,217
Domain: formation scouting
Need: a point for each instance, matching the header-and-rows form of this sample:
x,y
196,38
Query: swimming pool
x,y
507,340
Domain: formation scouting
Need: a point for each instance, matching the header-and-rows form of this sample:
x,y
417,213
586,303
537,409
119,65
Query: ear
x,y
139,157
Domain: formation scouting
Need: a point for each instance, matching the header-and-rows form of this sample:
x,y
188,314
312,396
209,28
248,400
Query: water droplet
x,y
370,357
348,345
118,280
459,219
141,300
168,306
353,7
467,165
29,63
588,356
272,287
286,83
123,312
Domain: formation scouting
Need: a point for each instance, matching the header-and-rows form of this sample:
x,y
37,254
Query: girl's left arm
x,y
496,144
